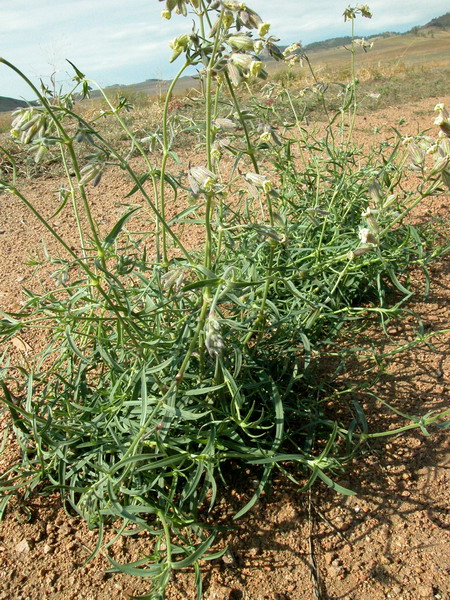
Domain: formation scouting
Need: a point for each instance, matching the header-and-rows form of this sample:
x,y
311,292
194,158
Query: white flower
x,y
202,179
259,181
367,237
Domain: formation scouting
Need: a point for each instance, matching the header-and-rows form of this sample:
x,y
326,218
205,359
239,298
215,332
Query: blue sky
x,y
113,41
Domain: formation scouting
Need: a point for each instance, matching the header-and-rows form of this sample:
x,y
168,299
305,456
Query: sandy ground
x,y
391,540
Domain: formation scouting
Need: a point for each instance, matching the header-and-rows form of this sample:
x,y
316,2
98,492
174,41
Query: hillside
x,y
442,22
7,104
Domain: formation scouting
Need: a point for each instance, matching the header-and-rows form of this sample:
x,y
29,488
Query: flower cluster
x,y
291,54
241,60
420,148
177,6
245,17
361,9
30,124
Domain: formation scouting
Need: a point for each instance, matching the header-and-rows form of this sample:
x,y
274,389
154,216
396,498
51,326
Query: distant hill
x,y
342,41
441,22
7,104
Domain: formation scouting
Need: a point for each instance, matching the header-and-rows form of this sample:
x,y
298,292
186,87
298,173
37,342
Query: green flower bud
x,y
259,181
201,179
241,41
263,29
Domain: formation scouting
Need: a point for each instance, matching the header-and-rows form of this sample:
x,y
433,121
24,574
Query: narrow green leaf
x,y
112,235
333,485
196,555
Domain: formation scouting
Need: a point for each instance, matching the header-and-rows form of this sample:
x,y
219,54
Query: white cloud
x,y
123,42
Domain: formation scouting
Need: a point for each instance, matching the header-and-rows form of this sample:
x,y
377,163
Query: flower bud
x,y
367,237
375,192
263,29
173,278
368,214
439,165
292,49
443,124
241,41
213,339
258,46
216,150
444,146
417,155
234,5
445,175
390,200
359,252
179,45
41,153
234,74
443,118
247,65
90,172
225,124
201,179
259,181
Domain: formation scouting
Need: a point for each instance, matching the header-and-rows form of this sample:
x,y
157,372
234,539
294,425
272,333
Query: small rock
x,y
220,593
46,549
333,571
229,559
23,547
425,591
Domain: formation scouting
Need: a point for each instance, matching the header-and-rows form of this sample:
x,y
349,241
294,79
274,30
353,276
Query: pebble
x,y
220,593
425,591
23,547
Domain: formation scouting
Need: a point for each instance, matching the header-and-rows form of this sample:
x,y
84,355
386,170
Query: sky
x,y
117,41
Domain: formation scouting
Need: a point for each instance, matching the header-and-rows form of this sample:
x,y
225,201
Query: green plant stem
x,y
74,204
91,274
166,152
250,149
124,164
165,525
354,104
428,192
259,319
142,152
196,336
66,139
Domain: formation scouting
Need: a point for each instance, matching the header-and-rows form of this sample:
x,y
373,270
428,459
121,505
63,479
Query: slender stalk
x,y
124,164
166,151
250,149
144,155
